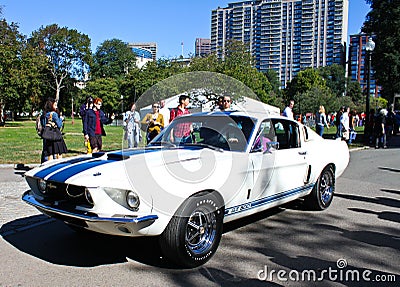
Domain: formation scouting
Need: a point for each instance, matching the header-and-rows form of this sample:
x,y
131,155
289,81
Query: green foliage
x,y
354,92
21,69
378,103
304,86
113,59
310,101
210,63
383,23
335,79
238,64
106,89
303,82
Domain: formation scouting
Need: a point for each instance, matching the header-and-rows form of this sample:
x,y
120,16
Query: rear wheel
x,y
322,194
194,232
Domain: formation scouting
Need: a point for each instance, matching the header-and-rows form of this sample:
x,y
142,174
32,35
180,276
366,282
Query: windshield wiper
x,y
204,145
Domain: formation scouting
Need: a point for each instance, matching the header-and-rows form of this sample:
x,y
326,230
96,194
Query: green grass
x,y
19,143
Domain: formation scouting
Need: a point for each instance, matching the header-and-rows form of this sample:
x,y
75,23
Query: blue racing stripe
x,y
63,175
266,200
45,172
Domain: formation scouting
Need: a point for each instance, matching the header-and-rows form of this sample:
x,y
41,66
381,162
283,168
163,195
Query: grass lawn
x,y
20,144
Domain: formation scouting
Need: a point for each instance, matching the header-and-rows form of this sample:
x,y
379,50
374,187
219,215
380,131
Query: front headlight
x,y
124,197
88,196
42,185
132,199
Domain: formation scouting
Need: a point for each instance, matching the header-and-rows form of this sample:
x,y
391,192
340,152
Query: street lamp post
x,y
369,47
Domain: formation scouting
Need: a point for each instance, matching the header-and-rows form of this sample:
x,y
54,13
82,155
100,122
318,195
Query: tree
x,y
68,53
354,92
335,79
20,71
211,63
238,64
383,24
113,59
315,97
107,89
301,85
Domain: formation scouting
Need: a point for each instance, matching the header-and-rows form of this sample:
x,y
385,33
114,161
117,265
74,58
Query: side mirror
x,y
271,146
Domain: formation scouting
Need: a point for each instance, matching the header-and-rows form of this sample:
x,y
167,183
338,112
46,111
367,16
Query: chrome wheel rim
x,y
326,188
201,231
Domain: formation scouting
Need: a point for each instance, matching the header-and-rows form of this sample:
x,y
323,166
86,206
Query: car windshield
x,y
222,132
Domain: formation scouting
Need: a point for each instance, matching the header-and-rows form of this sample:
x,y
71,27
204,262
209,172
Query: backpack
x,y
39,125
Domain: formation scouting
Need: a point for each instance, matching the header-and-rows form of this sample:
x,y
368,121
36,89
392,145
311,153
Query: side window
x,y
265,134
287,133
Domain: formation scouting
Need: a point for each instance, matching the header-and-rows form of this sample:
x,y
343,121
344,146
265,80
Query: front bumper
x,y
115,225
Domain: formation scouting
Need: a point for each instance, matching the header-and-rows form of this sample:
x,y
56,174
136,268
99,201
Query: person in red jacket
x,y
93,125
182,132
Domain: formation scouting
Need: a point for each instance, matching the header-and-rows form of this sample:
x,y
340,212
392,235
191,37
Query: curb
x,y
19,165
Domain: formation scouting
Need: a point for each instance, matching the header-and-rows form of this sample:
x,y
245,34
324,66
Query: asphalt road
x,y
356,242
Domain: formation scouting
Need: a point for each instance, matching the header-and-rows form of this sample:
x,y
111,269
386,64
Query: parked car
x,y
201,171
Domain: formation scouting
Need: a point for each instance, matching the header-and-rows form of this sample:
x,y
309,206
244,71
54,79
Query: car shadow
x,y
54,242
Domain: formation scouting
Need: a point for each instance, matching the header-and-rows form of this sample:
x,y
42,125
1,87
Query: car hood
x,y
114,164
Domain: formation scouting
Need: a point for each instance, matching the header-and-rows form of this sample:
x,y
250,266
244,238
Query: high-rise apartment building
x,y
202,47
152,47
284,35
357,64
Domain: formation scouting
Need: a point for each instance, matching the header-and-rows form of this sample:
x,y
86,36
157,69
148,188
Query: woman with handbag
x,y
53,145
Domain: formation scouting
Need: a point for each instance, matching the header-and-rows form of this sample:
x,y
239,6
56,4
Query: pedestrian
x,y
88,105
93,128
153,123
369,126
288,111
379,128
337,122
345,124
165,112
182,132
131,125
390,121
320,121
53,149
62,120
352,125
226,103
219,104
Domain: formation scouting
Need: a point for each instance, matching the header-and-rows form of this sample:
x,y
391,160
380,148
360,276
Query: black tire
x,y
322,194
192,236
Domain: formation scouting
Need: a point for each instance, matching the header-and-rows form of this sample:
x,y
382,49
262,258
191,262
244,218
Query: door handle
x,y
302,152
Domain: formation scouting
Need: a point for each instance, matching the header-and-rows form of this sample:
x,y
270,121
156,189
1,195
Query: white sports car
x,y
201,171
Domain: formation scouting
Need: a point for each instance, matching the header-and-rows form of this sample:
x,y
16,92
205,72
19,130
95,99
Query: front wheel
x,y
322,194
194,232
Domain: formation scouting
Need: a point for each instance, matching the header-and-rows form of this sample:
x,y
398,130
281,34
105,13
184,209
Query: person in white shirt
x,y
345,124
165,112
288,111
132,126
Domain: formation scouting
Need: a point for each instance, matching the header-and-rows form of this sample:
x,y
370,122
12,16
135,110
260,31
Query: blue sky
x,y
168,23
